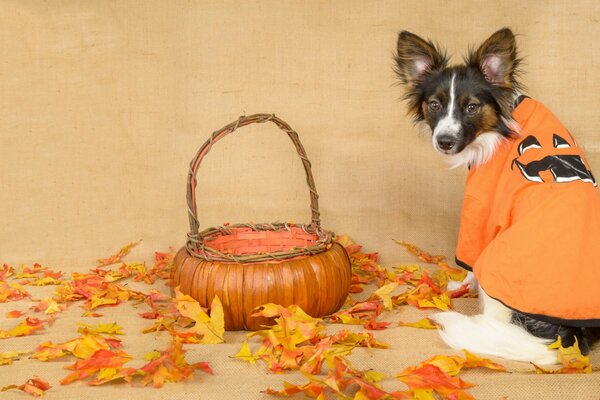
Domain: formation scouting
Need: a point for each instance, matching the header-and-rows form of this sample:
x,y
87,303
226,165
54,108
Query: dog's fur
x,y
468,110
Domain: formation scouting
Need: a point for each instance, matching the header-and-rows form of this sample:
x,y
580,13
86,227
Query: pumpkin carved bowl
x,y
248,265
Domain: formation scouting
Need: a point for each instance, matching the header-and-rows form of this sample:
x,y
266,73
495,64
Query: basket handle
x,y
217,135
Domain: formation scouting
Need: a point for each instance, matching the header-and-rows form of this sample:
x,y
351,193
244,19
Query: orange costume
x,y
530,224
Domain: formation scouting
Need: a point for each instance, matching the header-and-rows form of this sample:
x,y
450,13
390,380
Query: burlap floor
x,y
234,379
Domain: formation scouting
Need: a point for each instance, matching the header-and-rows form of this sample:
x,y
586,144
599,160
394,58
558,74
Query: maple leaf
x,y
340,377
422,255
14,314
384,294
456,274
12,292
82,347
438,375
429,376
211,327
424,323
111,329
573,362
8,357
98,361
362,313
170,366
49,306
6,271
25,328
115,258
35,386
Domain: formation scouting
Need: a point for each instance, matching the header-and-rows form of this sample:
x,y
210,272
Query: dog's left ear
x,y
497,59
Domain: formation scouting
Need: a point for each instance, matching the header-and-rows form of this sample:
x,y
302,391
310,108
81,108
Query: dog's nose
x,y
446,142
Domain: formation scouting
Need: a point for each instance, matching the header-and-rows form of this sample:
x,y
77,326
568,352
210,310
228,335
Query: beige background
x,y
104,103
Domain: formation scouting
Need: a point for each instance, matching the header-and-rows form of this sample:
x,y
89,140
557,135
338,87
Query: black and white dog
x,y
535,265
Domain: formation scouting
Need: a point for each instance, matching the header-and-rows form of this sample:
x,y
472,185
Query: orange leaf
x,y
422,255
115,258
98,361
14,314
35,386
25,328
170,366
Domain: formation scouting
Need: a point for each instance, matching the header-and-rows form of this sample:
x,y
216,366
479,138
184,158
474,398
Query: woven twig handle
x,y
218,135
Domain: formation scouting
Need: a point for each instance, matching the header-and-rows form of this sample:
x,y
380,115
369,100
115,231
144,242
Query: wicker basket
x,y
248,265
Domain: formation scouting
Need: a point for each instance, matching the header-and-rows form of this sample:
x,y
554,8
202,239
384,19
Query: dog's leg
x,y
469,280
585,336
492,333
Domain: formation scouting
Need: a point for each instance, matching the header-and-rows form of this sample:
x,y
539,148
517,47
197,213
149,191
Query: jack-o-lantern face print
x,y
563,167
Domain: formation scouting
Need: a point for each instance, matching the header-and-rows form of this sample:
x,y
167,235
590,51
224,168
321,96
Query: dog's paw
x,y
469,280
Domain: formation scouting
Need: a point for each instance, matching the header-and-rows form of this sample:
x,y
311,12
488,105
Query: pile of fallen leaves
x,y
296,341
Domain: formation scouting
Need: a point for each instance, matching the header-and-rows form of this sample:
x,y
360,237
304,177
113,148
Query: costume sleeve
x,y
471,236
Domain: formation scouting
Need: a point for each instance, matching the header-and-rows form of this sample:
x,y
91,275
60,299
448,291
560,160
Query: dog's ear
x,y
416,58
497,59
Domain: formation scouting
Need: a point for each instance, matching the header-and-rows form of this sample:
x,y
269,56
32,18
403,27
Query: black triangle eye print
x,y
530,142
560,143
564,167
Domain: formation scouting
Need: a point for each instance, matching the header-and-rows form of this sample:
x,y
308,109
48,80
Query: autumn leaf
x,y
96,363
115,258
437,376
573,362
170,366
49,306
341,380
9,357
14,314
422,255
456,274
384,294
12,292
212,327
82,347
428,376
25,328
441,302
110,329
35,386
424,323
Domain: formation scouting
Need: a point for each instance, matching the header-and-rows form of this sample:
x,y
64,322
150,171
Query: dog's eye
x,y
472,108
435,105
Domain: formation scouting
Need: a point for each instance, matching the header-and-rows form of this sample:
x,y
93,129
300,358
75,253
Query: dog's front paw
x,y
469,280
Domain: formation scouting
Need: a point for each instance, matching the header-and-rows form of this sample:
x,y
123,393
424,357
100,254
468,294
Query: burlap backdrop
x,y
104,103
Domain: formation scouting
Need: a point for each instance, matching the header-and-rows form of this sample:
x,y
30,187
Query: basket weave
x,y
248,265
199,244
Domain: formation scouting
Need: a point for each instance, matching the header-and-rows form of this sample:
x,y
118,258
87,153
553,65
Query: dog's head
x,y
467,107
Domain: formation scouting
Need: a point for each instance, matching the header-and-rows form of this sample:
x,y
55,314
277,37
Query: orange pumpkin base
x,y
318,283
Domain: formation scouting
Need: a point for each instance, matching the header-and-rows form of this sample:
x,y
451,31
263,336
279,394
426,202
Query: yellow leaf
x,y
571,358
10,356
424,323
384,293
153,355
97,301
212,328
110,329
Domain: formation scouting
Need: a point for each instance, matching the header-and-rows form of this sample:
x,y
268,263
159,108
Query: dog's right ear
x,y
416,58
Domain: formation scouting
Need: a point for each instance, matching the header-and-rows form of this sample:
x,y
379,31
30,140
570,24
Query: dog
x,y
530,219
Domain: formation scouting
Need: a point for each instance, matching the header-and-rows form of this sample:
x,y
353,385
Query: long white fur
x,y
477,152
492,333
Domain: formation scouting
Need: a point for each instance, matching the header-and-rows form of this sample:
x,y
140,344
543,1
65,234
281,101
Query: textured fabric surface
x,y
104,103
